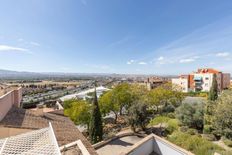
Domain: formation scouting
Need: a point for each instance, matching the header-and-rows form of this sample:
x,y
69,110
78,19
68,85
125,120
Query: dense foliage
x,y
123,96
95,127
138,115
164,96
107,104
222,115
195,144
78,111
183,123
191,115
213,93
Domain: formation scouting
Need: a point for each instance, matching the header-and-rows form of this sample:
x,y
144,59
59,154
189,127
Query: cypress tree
x,y
209,106
95,130
213,93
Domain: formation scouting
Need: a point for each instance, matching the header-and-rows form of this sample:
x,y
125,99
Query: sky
x,y
163,37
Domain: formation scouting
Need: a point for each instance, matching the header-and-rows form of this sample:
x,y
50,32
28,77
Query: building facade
x,y
201,81
153,82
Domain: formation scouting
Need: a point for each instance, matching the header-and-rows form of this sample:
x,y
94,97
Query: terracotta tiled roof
x,y
57,112
64,129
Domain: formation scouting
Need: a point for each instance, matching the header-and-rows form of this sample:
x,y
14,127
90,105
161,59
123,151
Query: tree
x,y
107,104
96,130
78,111
138,115
191,115
213,93
208,116
210,105
164,96
222,116
122,96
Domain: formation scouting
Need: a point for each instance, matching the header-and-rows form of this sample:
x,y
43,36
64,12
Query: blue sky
x,y
115,36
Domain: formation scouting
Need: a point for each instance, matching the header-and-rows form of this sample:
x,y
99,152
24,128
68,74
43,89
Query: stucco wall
x,y
163,148
181,84
145,149
158,145
11,98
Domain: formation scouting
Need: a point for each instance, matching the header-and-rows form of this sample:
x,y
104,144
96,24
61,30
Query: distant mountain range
x,y
9,74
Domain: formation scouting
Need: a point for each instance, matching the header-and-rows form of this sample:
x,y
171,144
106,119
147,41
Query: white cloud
x,y
12,48
161,58
223,54
142,63
130,62
34,43
187,60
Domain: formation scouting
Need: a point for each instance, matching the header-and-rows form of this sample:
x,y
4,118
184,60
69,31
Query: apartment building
x,y
182,83
202,80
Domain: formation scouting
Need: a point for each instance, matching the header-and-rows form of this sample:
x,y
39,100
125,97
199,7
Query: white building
x,y
202,80
84,94
181,84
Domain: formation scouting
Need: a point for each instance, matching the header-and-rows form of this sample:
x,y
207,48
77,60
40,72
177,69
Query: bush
x,y
227,142
209,137
191,115
192,131
184,128
207,129
171,115
138,116
195,144
173,125
203,94
168,109
158,120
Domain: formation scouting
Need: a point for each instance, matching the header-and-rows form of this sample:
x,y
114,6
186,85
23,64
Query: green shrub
x,y
168,109
191,115
184,128
209,137
192,131
227,142
172,125
203,94
207,129
171,115
158,120
194,143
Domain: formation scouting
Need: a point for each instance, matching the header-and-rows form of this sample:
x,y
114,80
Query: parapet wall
x,y
9,99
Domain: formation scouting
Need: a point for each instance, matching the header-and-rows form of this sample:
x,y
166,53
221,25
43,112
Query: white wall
x,y
163,148
145,149
207,79
182,83
159,146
